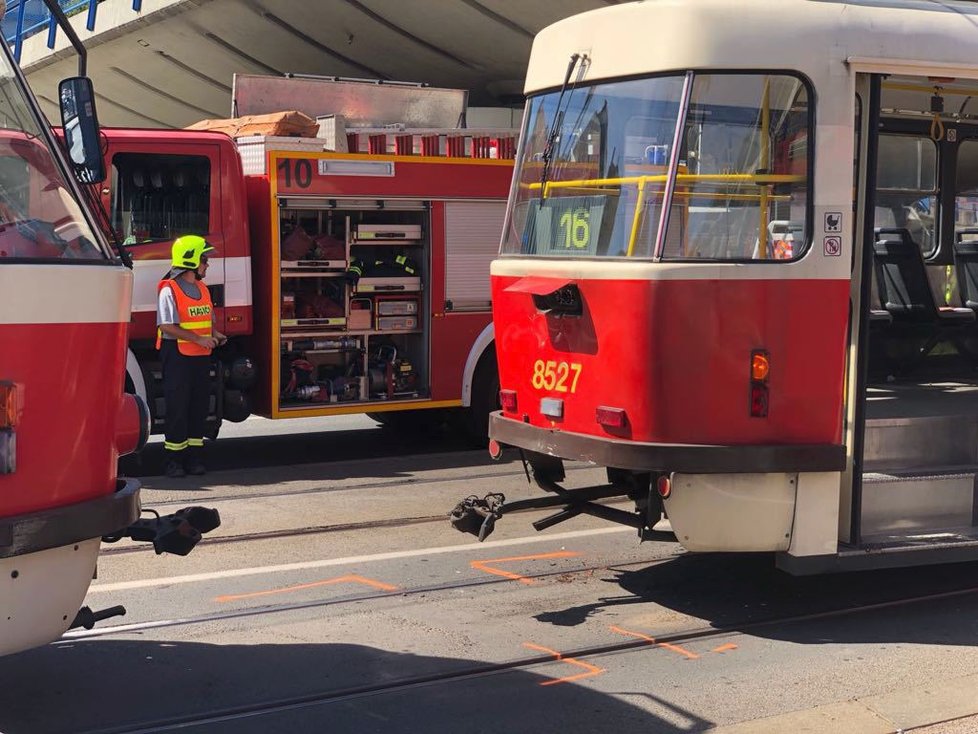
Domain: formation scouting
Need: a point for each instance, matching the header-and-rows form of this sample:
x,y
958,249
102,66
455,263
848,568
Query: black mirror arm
x,y
58,13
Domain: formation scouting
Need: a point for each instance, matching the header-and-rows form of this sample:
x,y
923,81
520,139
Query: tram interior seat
x,y
918,323
902,279
966,264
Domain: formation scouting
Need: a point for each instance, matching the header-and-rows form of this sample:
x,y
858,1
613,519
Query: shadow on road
x,y
116,685
255,452
736,591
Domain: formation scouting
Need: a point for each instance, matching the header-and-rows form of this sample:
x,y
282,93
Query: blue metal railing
x,y
26,18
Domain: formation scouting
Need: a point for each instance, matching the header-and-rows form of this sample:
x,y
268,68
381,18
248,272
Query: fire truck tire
x,y
484,400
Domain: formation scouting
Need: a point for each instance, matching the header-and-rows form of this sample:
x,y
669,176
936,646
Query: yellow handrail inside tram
x,y
760,179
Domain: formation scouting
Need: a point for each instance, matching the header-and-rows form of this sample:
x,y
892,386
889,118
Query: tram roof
x,y
815,37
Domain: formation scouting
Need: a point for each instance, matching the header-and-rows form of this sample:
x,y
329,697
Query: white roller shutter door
x,y
472,233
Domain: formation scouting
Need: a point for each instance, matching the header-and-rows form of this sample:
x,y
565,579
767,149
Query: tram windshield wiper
x,y
548,150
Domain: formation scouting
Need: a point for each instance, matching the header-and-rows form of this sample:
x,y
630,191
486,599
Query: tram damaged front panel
x,y
664,304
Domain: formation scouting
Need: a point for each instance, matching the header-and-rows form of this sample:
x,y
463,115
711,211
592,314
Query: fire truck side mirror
x,y
80,125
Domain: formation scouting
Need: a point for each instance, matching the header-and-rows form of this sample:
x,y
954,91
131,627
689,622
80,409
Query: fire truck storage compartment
x,y
351,304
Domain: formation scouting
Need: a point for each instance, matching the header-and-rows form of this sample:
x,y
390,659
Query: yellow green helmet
x,y
187,250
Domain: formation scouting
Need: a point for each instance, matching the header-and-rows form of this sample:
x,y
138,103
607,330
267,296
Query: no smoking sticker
x,y
832,246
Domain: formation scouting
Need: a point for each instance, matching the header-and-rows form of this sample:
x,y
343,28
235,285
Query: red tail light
x,y
611,417
758,401
10,407
663,486
507,399
760,370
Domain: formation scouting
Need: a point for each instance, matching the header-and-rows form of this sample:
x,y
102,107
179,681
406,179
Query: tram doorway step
x,y
920,442
911,504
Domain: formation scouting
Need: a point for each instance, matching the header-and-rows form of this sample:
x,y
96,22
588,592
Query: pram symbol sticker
x,y
833,222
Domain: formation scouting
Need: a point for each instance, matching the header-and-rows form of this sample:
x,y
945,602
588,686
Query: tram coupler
x,y
478,516
177,533
87,618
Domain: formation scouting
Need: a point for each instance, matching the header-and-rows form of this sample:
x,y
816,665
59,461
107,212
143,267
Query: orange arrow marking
x,y
651,640
590,670
725,648
483,565
350,578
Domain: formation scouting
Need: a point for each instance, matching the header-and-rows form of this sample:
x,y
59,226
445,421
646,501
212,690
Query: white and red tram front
x,y
679,266
64,419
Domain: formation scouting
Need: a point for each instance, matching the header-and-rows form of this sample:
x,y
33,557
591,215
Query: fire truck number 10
x,y
299,171
551,375
576,228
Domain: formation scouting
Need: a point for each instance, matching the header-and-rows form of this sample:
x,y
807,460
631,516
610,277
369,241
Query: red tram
x,y
739,270
64,419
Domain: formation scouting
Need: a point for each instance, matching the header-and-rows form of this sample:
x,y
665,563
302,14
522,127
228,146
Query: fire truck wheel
x,y
485,398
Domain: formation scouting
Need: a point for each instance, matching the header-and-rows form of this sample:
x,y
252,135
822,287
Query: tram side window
x,y
158,197
906,191
745,153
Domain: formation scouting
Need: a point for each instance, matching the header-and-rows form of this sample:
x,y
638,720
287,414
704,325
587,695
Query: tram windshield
x,y
597,165
40,219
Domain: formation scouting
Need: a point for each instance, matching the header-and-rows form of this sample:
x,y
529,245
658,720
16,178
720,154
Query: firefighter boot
x,y
194,463
174,469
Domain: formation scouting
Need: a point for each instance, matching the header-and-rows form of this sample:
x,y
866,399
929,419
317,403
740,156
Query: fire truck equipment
x,y
361,316
391,376
397,323
387,306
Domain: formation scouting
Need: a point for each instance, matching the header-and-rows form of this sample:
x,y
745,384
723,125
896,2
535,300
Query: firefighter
x,y
186,337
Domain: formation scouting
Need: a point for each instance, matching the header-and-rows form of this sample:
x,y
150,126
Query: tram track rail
x,y
329,489
352,599
284,704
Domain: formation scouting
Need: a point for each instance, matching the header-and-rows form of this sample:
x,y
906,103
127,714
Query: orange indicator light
x,y
760,366
9,405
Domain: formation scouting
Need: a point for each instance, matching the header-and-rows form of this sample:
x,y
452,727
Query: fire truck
x,y
64,421
351,271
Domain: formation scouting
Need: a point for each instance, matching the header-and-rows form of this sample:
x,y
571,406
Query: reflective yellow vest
x,y
194,314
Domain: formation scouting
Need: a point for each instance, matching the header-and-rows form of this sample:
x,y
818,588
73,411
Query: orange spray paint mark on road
x,y
483,565
348,579
651,640
725,648
590,670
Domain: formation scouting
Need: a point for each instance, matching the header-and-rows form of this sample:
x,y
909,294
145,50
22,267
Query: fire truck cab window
x,y
906,193
160,197
598,165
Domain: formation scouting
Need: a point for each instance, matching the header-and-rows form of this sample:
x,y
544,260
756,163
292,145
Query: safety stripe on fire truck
x,y
44,293
233,272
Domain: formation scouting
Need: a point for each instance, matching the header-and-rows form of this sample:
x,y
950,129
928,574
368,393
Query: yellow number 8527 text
x,y
552,375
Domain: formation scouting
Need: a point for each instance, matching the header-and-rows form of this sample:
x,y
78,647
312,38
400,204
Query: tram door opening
x,y
915,414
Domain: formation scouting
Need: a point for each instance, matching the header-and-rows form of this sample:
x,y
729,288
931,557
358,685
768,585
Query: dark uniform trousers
x,y
186,390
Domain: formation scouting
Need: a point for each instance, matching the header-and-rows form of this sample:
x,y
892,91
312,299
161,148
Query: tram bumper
x,y
667,457
717,497
69,524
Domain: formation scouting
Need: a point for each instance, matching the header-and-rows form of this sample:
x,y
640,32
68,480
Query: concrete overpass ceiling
x,y
173,67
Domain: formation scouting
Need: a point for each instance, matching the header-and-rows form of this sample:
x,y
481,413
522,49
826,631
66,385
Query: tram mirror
x,y
81,131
